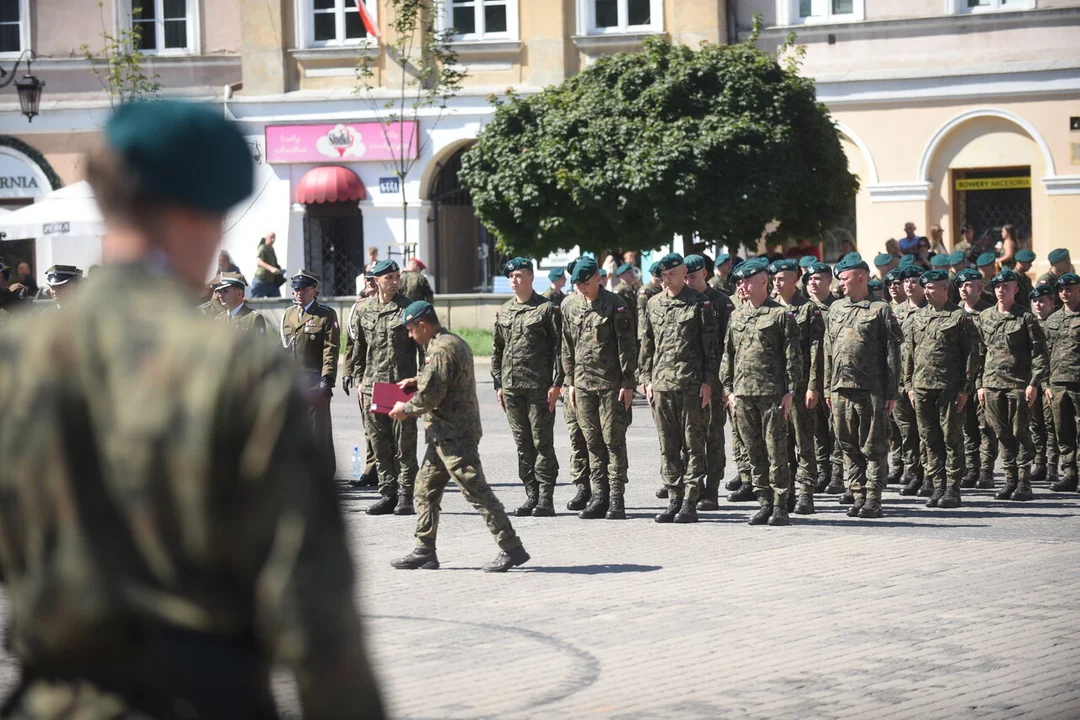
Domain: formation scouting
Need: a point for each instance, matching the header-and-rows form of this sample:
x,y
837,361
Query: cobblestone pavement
x,y
973,612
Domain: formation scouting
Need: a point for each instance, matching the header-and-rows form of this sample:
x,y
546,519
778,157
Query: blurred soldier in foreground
x,y
229,291
169,529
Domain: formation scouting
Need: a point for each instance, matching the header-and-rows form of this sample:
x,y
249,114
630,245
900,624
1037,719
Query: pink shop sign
x,y
341,142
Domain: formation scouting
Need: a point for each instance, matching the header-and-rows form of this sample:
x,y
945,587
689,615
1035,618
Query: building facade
x,y
951,111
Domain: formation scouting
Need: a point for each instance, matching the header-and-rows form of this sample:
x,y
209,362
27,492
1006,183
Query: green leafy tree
x,y
118,64
714,143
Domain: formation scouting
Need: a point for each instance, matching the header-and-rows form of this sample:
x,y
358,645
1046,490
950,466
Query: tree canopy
x,y
716,142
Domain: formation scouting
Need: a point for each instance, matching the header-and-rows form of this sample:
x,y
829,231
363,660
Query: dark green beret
x,y
694,263
1004,276
806,261
851,263
1025,256
603,273
967,275
957,257
555,274
987,258
783,266
654,269
749,269
230,279
722,258
893,276
933,276
882,259
1059,255
910,271
303,279
183,153
624,268
817,268
670,261
875,285
518,263
62,274
1067,280
906,260
584,269
939,261
384,267
1044,290
852,257
570,267
418,310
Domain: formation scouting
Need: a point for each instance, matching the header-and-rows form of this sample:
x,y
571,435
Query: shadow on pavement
x,y
593,569
858,522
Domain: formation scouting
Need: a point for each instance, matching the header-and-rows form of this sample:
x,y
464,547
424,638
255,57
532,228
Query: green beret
x,y
939,261
987,258
875,285
783,266
654,269
584,269
624,268
694,263
1067,280
852,257
384,267
670,261
1044,290
818,268
1059,255
806,261
910,271
518,263
722,258
418,310
603,273
882,259
957,257
906,260
230,279
555,274
851,263
933,276
1025,256
303,279
570,267
967,275
183,153
62,274
1004,276
893,276
749,269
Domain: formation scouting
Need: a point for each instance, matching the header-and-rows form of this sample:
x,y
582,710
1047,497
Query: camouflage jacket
x,y
378,347
311,339
526,345
862,347
415,286
723,285
599,348
245,320
722,307
555,296
816,379
761,351
629,294
647,292
1023,290
811,335
446,391
942,350
1015,350
904,312
679,344
160,479
1050,278
1062,330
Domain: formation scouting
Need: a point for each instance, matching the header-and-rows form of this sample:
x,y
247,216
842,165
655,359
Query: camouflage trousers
x,y
533,428
682,425
1006,413
764,432
323,427
579,450
980,443
459,460
738,452
827,451
369,454
862,429
1043,434
941,433
910,452
395,449
801,447
715,455
896,441
1066,407
603,421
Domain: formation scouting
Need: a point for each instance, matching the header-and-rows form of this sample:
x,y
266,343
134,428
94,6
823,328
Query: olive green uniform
x,y
245,319
910,447
827,452
1063,338
415,286
980,442
801,449
579,450
370,466
715,454
311,339
1050,278
1043,433
554,296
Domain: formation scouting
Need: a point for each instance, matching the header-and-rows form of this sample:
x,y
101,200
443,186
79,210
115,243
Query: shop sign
x,y
19,180
342,142
1001,183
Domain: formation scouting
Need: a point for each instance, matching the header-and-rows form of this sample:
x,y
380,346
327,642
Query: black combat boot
x,y
1051,474
804,505
1038,473
1023,489
986,480
507,559
822,482
951,498
745,493
598,504
387,503
971,479
894,475
418,559
871,509
848,498
709,498
1065,484
761,517
937,494
532,496
733,484
404,503
581,498
662,492
688,512
928,489
675,501
912,483
836,485
789,498
779,515
1006,492
370,479
545,501
856,506
617,502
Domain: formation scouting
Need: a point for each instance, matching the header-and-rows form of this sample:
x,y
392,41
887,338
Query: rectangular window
x,y
11,17
163,25
621,16
335,22
980,6
477,20
825,11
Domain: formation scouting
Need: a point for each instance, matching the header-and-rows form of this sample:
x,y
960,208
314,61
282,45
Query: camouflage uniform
x,y
940,362
910,450
628,293
525,364
579,449
648,292
170,527
245,319
1023,289
311,339
827,452
980,442
415,286
862,373
1063,338
801,448
715,455
1050,278
1015,358
370,472
1043,434
446,397
679,354
555,297
723,285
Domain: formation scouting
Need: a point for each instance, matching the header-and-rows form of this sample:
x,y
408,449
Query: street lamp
x,y
29,88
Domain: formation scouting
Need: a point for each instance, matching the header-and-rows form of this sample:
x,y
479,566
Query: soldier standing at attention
x,y
579,449
911,450
600,367
446,397
1063,393
383,352
627,288
229,291
413,285
885,263
818,280
980,443
678,364
189,535
715,457
894,285
647,292
986,264
310,334
940,362
1012,371
1043,433
760,371
1060,264
528,375
894,293
1024,258
554,293
370,475
721,279
862,372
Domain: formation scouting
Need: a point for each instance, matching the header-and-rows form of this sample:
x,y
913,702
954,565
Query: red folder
x,y
385,395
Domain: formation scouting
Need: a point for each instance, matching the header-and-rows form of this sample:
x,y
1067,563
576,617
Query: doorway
x,y
987,199
334,246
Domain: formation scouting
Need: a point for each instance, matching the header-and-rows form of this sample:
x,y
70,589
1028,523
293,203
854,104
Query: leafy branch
x,y
118,64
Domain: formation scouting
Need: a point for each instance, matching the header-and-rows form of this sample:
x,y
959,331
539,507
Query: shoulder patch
x,y
707,303
620,308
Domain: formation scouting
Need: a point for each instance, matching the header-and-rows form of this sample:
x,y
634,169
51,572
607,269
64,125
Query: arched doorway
x,y
333,227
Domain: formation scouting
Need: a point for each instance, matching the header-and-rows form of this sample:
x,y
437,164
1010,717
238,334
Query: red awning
x,y
329,183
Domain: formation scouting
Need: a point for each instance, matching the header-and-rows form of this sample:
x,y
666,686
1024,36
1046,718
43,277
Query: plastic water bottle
x,y
357,465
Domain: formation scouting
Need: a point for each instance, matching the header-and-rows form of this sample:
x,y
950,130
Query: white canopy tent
x,y
66,226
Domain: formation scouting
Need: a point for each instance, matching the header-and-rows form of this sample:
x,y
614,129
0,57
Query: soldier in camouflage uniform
x,y
1043,434
759,371
369,477
188,536
627,288
678,364
1063,393
940,362
310,334
912,453
721,279
980,443
647,292
528,375
413,284
1060,264
229,291
897,297
382,352
554,293
600,367
1012,371
580,472
1024,259
862,371
446,397
818,280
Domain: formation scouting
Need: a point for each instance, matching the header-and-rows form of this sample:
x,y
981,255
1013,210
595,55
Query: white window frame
x,y
587,19
191,23
789,13
512,34
960,7
305,25
24,32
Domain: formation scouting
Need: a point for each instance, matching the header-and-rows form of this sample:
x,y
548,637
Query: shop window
x,y
598,17
14,29
978,6
474,20
332,23
166,26
823,11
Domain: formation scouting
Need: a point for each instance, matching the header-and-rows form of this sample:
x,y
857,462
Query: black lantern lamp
x,y
29,88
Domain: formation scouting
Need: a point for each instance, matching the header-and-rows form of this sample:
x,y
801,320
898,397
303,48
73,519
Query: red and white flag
x,y
365,17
